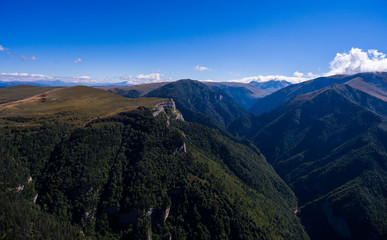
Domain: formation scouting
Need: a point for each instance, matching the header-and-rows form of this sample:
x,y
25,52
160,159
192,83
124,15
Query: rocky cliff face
x,y
170,104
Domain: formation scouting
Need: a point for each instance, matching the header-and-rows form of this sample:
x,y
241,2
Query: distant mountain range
x,y
209,103
244,94
371,83
271,86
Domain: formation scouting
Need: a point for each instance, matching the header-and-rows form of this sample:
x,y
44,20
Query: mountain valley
x,y
196,160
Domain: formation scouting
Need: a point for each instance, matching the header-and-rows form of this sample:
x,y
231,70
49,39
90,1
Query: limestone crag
x,y
170,104
164,105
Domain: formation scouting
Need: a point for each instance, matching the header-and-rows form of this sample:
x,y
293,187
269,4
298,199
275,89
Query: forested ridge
x,y
136,176
330,146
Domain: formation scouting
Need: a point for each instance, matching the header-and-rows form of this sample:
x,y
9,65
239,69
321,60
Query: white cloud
x,y
352,62
312,75
78,60
28,57
357,60
144,78
84,77
295,79
3,49
24,75
151,76
27,77
298,74
202,68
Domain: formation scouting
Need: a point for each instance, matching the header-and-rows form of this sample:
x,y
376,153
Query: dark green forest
x,y
132,176
330,146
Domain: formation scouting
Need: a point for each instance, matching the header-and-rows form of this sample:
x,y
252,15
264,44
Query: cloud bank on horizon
x,y
144,78
296,78
43,79
347,63
352,62
82,80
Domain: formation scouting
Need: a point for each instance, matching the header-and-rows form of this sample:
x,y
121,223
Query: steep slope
x,y
280,97
135,176
330,147
199,103
372,83
372,102
375,84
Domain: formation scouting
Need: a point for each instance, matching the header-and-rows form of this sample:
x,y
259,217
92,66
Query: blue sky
x,y
117,40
